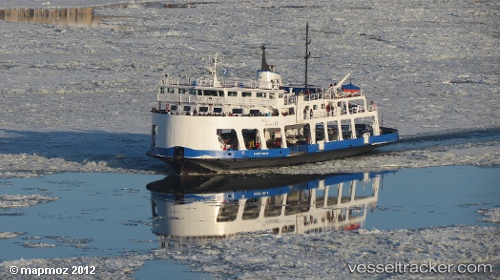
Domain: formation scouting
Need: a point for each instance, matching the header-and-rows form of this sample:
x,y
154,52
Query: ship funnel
x,y
266,76
264,66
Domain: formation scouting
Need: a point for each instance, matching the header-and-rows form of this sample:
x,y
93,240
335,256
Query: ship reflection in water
x,y
200,209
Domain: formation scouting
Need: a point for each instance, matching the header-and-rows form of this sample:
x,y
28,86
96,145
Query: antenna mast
x,y
308,55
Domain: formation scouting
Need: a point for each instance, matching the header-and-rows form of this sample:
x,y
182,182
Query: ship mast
x,y
307,56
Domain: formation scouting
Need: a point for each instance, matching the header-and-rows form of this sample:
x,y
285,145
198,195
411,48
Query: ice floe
x,y
491,215
323,255
16,201
326,255
8,235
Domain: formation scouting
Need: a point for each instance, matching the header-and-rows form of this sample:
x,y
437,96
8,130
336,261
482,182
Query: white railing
x,y
213,100
203,82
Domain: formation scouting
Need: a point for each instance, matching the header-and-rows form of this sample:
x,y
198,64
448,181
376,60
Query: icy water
x,y
98,214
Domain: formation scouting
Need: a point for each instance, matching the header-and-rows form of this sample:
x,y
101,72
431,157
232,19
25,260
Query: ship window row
x,y
220,93
299,202
206,110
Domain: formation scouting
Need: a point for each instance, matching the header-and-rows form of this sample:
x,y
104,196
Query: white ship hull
x,y
192,150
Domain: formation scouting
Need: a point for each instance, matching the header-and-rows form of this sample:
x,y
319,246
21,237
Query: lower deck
x,y
185,160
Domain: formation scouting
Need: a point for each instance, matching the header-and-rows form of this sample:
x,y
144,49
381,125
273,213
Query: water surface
x,y
95,214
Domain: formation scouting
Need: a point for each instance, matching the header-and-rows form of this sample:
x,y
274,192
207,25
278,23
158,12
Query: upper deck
x,y
265,96
177,91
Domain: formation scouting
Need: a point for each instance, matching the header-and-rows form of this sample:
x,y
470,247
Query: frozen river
x,y
77,86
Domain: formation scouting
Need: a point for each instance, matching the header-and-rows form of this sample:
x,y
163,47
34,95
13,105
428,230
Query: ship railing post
x,y
284,198
339,193
353,129
263,202
325,195
241,207
340,131
353,190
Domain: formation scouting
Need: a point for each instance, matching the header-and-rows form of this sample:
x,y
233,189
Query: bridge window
x,y
182,91
192,91
203,109
261,94
217,110
246,94
232,93
162,90
171,90
237,111
272,95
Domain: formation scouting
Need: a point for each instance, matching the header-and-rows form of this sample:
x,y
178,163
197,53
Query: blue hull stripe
x,y
274,153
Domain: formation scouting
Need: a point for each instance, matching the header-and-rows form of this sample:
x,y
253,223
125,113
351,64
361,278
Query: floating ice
x,y
38,245
316,255
8,235
326,255
16,201
490,215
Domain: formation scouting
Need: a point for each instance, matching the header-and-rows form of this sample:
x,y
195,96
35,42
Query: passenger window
x,y
252,139
227,139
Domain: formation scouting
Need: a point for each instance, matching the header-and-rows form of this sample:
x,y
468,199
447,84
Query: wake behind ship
x,y
206,126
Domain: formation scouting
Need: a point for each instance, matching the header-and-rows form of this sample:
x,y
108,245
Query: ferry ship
x,y
201,209
207,126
